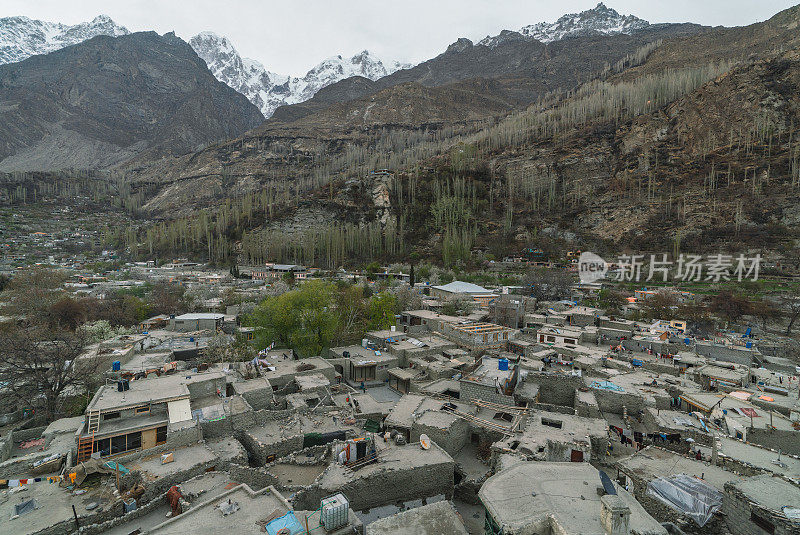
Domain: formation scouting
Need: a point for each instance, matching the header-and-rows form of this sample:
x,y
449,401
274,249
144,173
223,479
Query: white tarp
x,y
179,410
688,495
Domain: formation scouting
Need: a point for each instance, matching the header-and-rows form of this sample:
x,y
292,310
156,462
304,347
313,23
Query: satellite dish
x,y
608,485
424,441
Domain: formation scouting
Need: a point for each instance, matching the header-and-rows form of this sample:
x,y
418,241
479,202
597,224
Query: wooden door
x,y
148,439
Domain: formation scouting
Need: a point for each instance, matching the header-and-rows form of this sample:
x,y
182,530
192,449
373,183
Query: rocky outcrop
x,y
102,101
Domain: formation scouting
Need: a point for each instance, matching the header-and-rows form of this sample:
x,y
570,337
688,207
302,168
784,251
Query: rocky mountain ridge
x,y
600,20
22,37
269,90
102,101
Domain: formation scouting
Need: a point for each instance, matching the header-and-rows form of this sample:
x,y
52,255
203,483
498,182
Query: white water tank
x,y
334,512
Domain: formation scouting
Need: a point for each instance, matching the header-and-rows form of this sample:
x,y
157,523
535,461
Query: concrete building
x,y
556,437
494,381
248,511
478,335
196,321
359,363
461,288
762,504
139,415
439,518
560,498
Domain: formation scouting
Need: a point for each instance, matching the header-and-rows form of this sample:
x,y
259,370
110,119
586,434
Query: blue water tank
x,y
116,365
687,341
503,364
191,338
748,345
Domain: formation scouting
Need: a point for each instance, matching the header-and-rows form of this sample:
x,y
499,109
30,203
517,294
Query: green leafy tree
x,y
382,309
303,319
372,269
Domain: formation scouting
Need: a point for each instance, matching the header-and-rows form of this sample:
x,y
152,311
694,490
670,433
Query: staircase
x,y
85,447
94,422
86,442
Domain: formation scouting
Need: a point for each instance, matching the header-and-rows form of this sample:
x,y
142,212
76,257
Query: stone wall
x,y
556,389
385,487
738,355
738,510
6,445
472,391
613,402
586,405
450,440
255,478
777,439
259,452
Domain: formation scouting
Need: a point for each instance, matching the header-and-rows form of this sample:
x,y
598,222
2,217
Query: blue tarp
x,y
112,465
607,385
288,521
637,362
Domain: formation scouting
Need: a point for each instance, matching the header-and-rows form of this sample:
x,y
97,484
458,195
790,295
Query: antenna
x,y
608,486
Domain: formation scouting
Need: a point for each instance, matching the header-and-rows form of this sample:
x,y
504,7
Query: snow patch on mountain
x,y
268,90
22,37
600,20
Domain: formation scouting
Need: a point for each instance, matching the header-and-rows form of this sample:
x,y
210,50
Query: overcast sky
x,y
291,36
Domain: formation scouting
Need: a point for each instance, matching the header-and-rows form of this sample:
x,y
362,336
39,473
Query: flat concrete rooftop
x,y
391,458
438,518
770,492
150,390
185,458
652,463
206,517
528,496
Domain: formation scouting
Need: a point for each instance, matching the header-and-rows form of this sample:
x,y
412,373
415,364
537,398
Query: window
x,y
161,435
762,522
134,440
111,415
103,446
118,444
141,410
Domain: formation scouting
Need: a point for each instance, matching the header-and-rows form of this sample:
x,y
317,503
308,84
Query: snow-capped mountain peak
x,y
22,37
599,20
268,90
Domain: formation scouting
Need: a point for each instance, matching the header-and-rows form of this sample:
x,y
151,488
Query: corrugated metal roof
x,y
461,287
200,316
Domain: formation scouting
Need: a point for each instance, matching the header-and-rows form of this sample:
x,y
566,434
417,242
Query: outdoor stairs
x,y
86,442
85,447
94,422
